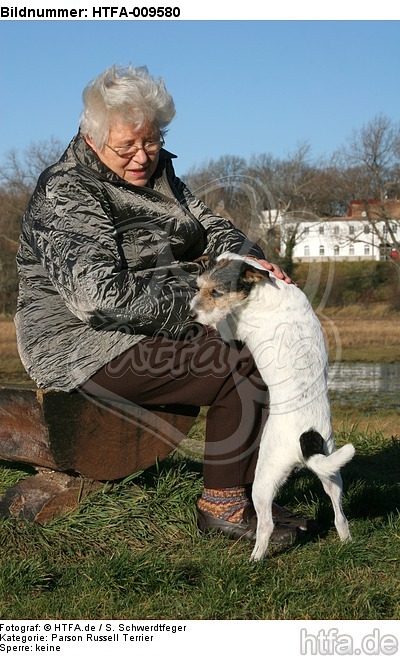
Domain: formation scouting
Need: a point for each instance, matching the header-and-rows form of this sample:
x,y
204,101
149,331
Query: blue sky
x,y
240,87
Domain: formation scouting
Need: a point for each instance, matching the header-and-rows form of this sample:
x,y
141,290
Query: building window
x,y
322,250
394,228
367,249
336,250
351,250
351,230
366,229
306,251
336,230
306,230
321,230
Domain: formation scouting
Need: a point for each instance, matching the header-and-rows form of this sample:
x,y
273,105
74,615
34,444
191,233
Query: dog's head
x,y
224,287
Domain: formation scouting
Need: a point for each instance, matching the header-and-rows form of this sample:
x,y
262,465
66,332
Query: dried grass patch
x,y
365,338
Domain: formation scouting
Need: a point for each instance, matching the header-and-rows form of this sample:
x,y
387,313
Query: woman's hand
x,y
275,270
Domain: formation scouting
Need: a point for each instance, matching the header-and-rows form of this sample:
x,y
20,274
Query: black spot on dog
x,y
311,443
236,276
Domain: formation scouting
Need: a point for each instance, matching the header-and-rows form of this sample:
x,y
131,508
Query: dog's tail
x,y
311,443
328,466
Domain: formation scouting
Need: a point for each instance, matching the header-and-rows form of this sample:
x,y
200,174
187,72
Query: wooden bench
x,y
76,443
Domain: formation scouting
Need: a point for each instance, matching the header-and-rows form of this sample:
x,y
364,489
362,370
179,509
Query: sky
x,y
241,87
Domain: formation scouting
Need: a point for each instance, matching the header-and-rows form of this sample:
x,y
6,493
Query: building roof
x,y
361,209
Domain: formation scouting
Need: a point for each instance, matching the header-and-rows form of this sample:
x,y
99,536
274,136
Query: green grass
x,y
134,551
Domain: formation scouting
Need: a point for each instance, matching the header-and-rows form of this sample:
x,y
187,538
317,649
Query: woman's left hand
x,y
275,270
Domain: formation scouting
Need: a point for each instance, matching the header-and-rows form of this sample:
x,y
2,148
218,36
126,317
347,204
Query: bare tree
x,y
226,186
303,189
18,176
21,171
374,151
272,199
371,174
269,197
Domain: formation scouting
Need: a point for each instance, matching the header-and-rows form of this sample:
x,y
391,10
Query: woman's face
x,y
138,168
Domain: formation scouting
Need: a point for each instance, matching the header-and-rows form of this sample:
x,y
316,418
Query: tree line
x,y
257,193
253,193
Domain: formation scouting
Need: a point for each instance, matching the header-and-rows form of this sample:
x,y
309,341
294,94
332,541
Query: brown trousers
x,y
199,370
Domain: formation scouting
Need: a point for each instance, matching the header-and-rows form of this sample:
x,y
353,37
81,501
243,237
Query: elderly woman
x,y
111,245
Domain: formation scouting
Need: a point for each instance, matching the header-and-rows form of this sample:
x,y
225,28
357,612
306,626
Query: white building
x,y
353,237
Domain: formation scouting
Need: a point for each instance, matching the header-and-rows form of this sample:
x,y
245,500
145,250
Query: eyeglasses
x,y
149,147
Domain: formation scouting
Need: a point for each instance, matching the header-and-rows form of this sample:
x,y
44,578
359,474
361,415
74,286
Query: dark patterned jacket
x,y
103,263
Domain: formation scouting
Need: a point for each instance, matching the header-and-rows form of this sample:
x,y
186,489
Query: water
x,y
372,384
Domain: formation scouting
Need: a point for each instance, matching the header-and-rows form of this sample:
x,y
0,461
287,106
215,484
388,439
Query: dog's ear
x,y
251,275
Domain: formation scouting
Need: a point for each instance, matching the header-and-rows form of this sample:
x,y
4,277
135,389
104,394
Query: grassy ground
x,y
134,551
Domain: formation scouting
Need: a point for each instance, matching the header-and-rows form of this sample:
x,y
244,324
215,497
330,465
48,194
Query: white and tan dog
x,y
241,299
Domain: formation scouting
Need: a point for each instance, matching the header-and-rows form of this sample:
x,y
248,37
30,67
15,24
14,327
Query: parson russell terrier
x,y
243,301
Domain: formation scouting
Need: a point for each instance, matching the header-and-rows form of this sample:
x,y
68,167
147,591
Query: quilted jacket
x,y
103,263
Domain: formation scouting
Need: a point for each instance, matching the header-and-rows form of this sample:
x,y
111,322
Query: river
x,y
376,384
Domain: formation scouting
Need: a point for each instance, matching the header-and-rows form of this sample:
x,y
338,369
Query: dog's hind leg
x,y
333,487
327,468
271,473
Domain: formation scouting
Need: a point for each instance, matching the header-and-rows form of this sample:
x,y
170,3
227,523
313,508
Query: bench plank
x,y
79,441
46,495
99,439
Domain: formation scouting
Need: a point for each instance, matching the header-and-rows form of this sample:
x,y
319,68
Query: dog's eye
x,y
216,293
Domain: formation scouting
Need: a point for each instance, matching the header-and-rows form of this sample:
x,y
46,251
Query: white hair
x,y
128,94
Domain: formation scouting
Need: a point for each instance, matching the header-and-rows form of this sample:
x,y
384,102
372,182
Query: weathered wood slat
x,y
46,495
80,441
23,433
92,437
